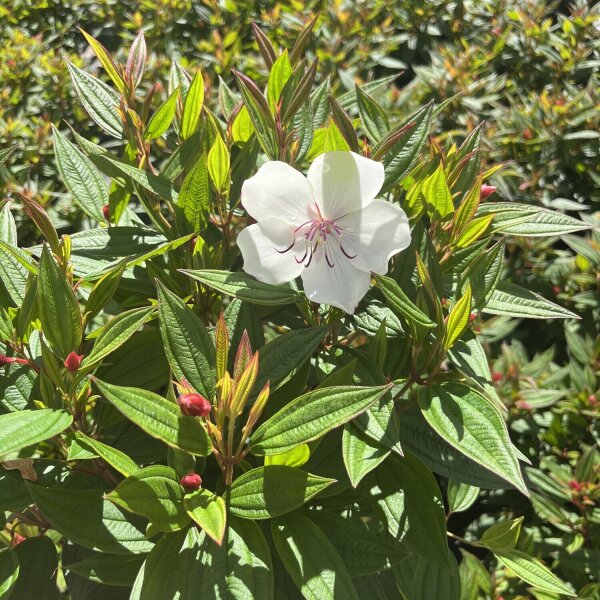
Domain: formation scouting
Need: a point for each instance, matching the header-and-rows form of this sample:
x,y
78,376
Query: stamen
x,y
345,253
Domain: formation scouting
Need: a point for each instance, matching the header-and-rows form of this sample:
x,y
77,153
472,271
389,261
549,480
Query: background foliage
x,y
528,69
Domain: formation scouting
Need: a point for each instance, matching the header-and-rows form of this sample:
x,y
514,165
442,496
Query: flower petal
x,y
344,182
278,190
259,244
374,235
342,285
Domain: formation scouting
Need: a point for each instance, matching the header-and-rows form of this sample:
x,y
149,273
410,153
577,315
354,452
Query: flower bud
x,y
16,540
472,317
106,212
194,405
9,360
191,482
496,376
73,362
486,191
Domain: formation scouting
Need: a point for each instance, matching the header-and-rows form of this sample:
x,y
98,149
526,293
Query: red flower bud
x,y
486,191
556,289
496,376
9,360
106,212
73,362
194,405
592,399
472,316
575,485
16,540
191,482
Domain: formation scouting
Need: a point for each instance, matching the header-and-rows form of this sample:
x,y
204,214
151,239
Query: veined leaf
x,y
437,193
245,287
114,457
218,164
469,422
188,345
461,496
208,511
163,117
85,518
279,74
458,319
81,177
108,569
105,60
401,303
533,572
311,416
100,101
194,198
311,560
158,417
361,453
58,307
516,301
153,493
9,571
192,107
28,427
271,491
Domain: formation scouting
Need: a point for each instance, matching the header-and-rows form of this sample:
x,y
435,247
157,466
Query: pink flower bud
x,y
486,191
191,482
16,540
106,212
9,360
73,362
575,485
472,317
496,376
194,405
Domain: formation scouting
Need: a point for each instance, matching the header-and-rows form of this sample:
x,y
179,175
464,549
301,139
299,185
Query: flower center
x,y
319,232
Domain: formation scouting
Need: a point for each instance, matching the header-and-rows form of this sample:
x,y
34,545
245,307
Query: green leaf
x,y
192,107
81,177
104,289
163,117
100,101
218,164
412,505
194,198
278,76
311,560
311,416
469,422
260,114
473,231
85,518
28,427
515,301
437,193
361,453
153,493
108,569
511,218
362,550
271,491
281,358
208,511
58,307
188,345
115,458
292,458
9,571
372,115
442,458
13,274
158,417
461,496
533,572
502,536
38,565
401,303
8,226
458,319
105,60
245,287
402,156
115,333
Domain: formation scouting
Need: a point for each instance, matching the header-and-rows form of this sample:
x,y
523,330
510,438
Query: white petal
x,y
342,285
259,244
278,190
344,182
374,235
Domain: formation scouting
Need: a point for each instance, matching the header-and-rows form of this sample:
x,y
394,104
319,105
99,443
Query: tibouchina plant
x,y
326,227
177,428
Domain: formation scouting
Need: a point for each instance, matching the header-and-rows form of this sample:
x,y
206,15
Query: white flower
x,y
326,227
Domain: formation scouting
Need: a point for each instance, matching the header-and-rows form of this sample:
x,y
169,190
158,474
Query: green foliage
x,y
171,427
